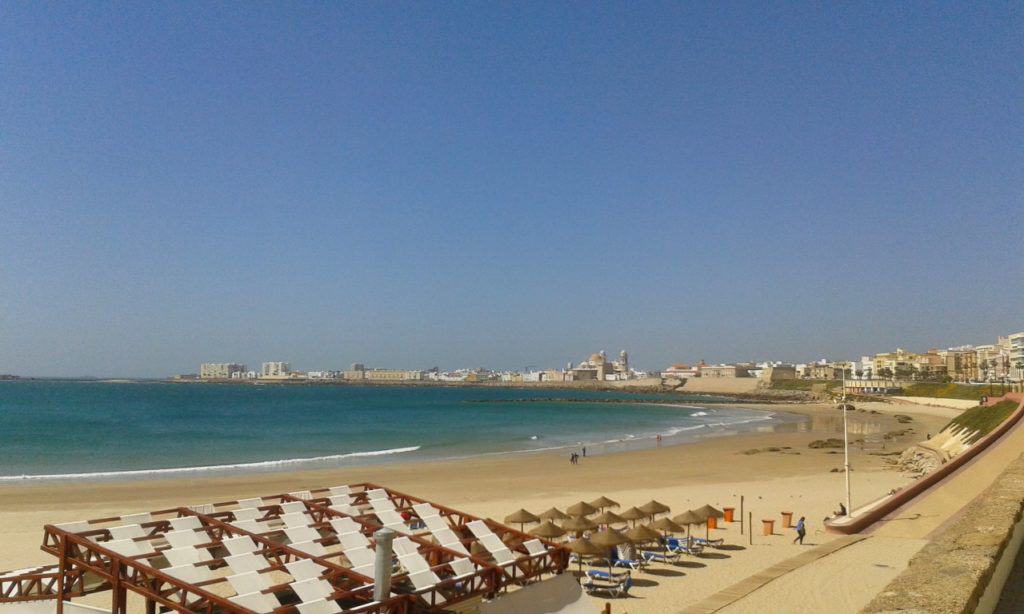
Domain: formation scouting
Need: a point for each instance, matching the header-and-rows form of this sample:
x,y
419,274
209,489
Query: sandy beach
x,y
773,471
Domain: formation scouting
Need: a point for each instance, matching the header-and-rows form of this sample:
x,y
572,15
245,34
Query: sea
x,y
63,430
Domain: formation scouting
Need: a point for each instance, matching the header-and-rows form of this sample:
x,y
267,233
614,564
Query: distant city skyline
x,y
410,185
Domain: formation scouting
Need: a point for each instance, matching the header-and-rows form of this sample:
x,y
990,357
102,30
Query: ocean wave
x,y
205,469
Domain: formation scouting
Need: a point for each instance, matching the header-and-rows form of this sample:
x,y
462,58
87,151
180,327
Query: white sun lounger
x,y
257,602
185,556
353,540
297,519
392,520
304,569
242,544
241,563
298,535
312,589
340,490
185,523
186,538
190,573
203,508
252,526
425,509
302,494
137,518
362,560
463,567
248,582
79,526
402,545
319,606
535,547
247,513
345,525
253,503
289,507
311,548
380,505
479,528
127,547
376,493
435,523
424,580
128,531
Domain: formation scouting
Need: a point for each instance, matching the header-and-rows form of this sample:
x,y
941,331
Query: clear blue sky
x,y
506,184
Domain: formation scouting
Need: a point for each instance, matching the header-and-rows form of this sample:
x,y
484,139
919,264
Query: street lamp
x,y
846,448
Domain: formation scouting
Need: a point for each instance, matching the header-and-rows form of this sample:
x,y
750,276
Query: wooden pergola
x,y
91,558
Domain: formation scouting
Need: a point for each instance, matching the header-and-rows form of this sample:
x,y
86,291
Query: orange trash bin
x,y
712,522
787,520
728,511
768,526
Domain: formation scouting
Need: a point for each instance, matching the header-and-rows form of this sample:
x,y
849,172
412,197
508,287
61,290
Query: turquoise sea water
x,y
60,430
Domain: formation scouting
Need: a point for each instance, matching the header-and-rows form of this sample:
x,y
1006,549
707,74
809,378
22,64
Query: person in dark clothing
x,y
801,530
584,451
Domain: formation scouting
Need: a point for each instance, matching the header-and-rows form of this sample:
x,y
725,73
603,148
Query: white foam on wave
x,y
204,469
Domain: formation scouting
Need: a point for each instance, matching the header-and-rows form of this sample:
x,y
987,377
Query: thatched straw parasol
x,y
553,514
607,517
603,502
667,525
584,547
653,508
579,524
688,518
642,534
709,512
581,509
704,513
520,517
633,514
608,539
547,529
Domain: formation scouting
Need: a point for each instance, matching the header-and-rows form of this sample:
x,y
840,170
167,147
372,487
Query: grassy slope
x,y
984,419
805,384
950,391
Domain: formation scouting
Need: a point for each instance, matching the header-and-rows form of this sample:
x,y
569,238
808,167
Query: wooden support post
x,y
750,527
741,514
150,606
115,587
62,568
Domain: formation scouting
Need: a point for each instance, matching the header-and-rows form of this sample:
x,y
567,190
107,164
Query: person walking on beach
x,y
584,451
801,530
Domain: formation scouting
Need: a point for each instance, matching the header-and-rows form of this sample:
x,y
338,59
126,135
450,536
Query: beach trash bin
x,y
768,526
787,520
712,522
729,511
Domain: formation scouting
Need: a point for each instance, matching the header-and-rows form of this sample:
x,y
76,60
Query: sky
x,y
504,184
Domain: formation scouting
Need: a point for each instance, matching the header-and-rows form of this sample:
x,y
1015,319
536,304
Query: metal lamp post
x,y
846,448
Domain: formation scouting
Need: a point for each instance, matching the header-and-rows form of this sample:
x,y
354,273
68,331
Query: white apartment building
x,y
221,370
275,369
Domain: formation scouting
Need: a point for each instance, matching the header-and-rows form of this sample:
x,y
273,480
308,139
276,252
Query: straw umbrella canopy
x,y
607,539
547,529
579,524
553,514
653,508
584,547
641,534
667,525
603,502
581,509
608,517
520,517
688,518
708,512
633,514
